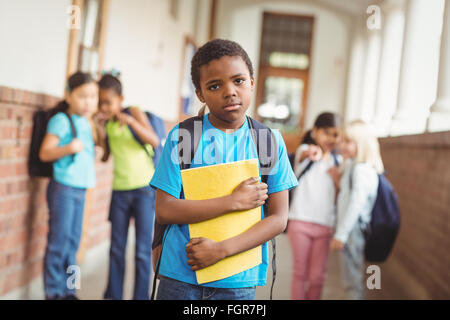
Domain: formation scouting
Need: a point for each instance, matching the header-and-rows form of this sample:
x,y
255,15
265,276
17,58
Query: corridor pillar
x,y
389,69
419,66
439,119
369,89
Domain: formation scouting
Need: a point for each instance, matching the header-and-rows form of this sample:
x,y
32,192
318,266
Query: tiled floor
x,y
93,284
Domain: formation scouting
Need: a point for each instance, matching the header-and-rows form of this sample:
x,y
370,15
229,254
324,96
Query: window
x,y
88,60
86,43
173,8
284,70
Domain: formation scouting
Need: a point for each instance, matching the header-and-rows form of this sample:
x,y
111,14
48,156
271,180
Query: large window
x,y
86,42
88,59
284,70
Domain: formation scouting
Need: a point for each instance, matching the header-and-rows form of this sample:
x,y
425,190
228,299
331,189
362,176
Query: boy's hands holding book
x,y
249,194
203,253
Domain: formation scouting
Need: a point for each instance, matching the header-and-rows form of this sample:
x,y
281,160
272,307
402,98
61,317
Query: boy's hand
x,y
336,245
249,194
203,252
75,146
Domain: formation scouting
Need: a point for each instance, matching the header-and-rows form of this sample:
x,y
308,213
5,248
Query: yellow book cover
x,y
216,181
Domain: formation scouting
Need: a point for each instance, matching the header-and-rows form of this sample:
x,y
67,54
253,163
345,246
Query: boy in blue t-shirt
x,y
223,77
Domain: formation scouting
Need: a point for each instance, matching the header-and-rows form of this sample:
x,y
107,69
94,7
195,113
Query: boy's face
x,y
226,87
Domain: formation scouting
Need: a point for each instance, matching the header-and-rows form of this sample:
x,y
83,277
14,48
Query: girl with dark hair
x,y
132,197
312,210
73,172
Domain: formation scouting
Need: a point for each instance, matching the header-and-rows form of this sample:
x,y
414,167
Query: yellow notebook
x,y
216,181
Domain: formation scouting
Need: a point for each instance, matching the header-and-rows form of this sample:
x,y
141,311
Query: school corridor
x,y
386,62
94,276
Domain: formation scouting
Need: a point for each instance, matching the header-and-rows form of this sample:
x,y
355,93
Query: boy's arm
x,y
170,210
204,252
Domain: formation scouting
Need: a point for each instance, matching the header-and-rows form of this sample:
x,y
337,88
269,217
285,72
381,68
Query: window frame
x,y
75,47
265,71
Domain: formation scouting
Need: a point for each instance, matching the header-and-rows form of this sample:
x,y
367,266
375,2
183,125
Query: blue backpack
x,y
384,224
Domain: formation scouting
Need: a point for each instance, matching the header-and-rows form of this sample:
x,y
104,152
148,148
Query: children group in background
x,y
331,208
334,175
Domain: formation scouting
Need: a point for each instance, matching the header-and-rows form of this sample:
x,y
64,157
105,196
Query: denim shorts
x,y
171,289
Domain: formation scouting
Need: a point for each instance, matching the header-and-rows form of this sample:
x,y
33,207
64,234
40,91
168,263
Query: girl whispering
x,y
358,192
132,197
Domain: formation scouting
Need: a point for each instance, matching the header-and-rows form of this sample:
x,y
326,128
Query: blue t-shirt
x,y
215,147
79,173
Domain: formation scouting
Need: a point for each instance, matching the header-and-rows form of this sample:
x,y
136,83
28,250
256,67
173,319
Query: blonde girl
x,y
358,190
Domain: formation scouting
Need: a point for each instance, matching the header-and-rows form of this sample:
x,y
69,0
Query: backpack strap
x,y
73,129
189,136
266,148
135,136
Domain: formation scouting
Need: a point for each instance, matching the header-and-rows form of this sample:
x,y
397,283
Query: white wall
x,y
146,44
33,45
241,21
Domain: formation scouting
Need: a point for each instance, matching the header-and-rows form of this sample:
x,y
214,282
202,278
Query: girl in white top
x,y
358,191
312,211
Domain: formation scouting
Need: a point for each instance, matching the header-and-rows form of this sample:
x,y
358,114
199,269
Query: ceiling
x,y
349,6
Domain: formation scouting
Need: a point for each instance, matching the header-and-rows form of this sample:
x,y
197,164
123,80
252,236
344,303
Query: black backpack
x,y
36,167
381,232
267,161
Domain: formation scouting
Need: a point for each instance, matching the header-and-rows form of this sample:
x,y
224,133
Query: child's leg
x,y
119,215
228,293
75,234
352,264
61,211
301,246
318,261
144,215
171,289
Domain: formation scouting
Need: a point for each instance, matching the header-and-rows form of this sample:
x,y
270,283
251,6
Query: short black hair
x,y
216,49
108,81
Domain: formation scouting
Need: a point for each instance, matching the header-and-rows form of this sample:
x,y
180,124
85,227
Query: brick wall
x,y
23,208
419,267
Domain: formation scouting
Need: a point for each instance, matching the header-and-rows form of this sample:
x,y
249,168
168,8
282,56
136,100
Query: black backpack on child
x,y
36,167
267,155
381,232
